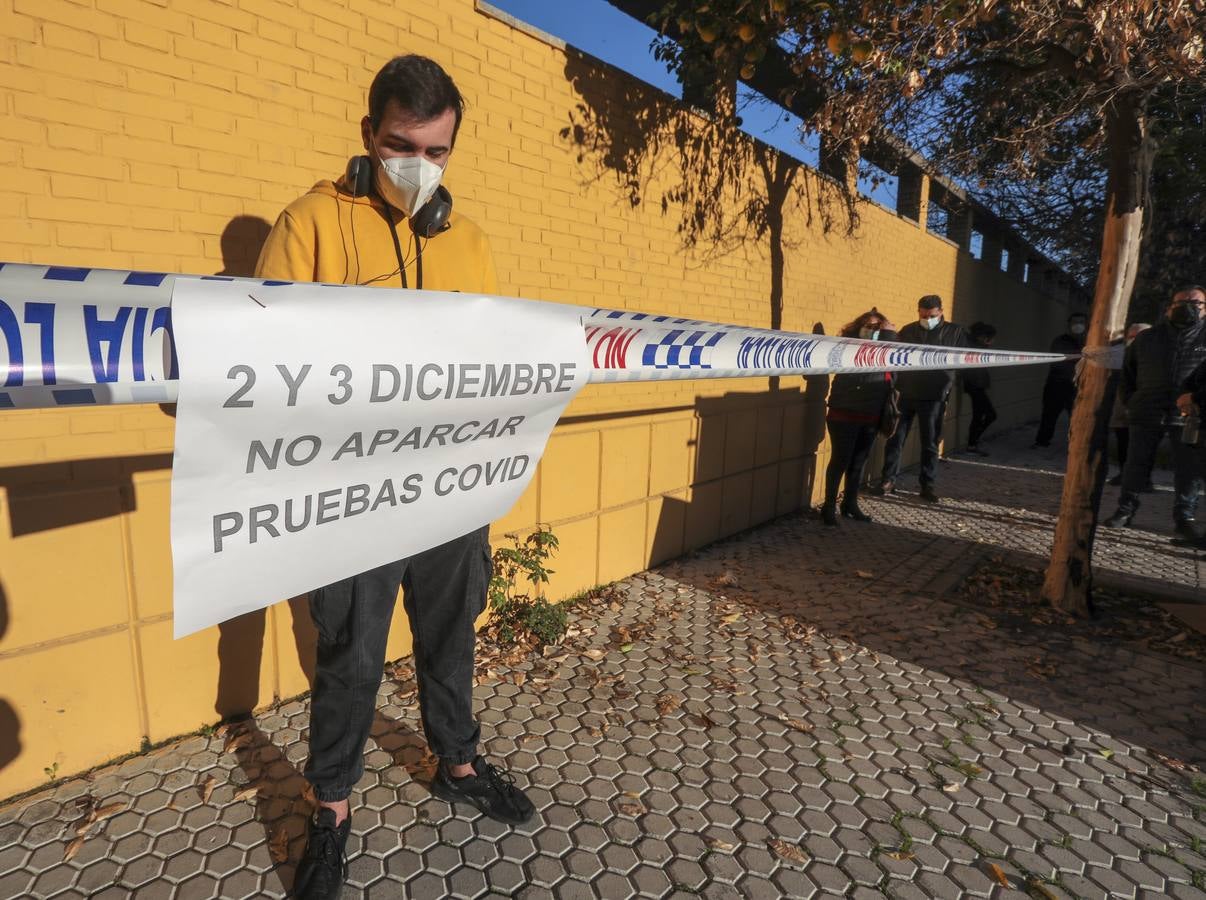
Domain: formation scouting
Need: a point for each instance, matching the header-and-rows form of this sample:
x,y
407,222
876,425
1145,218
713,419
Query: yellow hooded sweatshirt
x,y
330,236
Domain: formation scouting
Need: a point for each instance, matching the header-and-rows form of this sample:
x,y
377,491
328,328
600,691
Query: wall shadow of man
x,y
10,722
242,239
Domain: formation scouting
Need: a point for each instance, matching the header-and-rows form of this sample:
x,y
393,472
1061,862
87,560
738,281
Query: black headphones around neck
x,y
429,221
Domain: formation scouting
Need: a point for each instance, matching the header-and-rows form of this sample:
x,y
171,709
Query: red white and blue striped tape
x,y
77,337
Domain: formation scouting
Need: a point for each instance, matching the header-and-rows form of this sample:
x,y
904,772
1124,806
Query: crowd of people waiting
x,y
1158,389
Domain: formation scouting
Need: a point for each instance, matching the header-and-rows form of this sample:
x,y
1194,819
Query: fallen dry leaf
x,y
246,793
951,787
900,854
207,788
595,653
111,810
73,848
1169,761
718,844
668,703
96,815
797,724
631,809
863,574
238,742
1037,887
278,845
999,874
789,852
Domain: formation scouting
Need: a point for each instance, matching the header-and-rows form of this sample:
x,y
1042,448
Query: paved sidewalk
x,y
796,712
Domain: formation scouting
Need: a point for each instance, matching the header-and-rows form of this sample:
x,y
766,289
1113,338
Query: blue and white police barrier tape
x,y
78,337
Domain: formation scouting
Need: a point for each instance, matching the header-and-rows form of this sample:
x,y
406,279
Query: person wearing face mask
x,y
1059,393
923,397
1118,420
1191,404
975,384
856,406
1154,369
375,227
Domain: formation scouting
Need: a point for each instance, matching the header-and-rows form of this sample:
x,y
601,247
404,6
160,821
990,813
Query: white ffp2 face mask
x,y
408,182
931,323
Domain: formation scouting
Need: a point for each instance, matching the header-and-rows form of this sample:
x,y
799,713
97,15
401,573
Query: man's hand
x,y
1186,405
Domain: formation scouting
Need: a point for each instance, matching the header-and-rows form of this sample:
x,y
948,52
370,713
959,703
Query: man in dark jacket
x,y
923,396
1059,392
975,384
1192,406
1154,371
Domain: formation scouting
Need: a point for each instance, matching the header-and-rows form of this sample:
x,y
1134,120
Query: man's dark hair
x,y
420,86
1186,288
930,301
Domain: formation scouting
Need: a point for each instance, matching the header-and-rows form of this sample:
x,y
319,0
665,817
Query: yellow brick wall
x,y
167,134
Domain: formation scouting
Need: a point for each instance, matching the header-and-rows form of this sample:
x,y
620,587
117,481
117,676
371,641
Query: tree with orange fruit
x,y
992,89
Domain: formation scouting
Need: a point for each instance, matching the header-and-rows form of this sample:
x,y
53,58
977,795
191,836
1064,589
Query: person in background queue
x,y
388,223
923,396
1059,393
1154,371
1118,420
856,408
975,384
1191,404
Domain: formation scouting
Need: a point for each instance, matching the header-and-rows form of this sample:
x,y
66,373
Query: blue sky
x,y
601,30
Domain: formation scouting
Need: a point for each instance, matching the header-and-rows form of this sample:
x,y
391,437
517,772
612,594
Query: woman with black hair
x,y
856,406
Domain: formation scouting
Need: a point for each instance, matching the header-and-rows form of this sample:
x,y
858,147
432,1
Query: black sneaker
x,y
1120,519
1187,529
491,790
928,495
324,864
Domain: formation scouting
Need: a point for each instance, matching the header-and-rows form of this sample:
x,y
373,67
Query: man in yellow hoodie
x,y
388,222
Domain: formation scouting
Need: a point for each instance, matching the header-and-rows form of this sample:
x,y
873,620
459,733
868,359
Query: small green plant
x,y
52,771
519,613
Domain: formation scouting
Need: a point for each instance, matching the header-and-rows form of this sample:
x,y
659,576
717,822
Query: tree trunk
x,y
1068,583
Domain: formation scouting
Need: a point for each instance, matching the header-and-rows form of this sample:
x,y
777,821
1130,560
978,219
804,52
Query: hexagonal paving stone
x,y
635,803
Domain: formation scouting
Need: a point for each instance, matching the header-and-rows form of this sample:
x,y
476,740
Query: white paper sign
x,y
322,432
